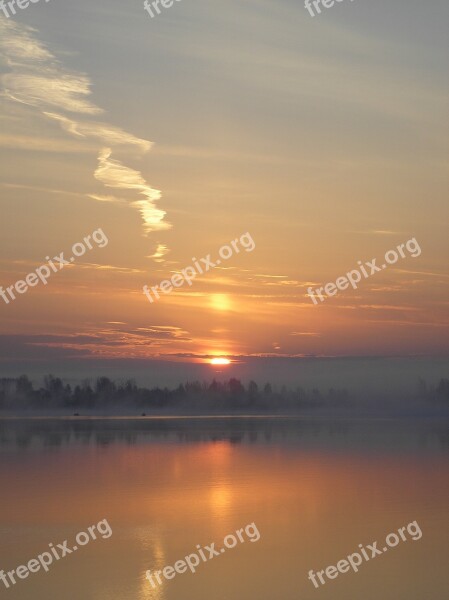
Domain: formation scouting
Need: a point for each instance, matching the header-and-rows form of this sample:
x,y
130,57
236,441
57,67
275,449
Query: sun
x,y
220,361
220,302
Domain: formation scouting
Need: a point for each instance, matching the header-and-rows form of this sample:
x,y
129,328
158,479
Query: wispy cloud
x,y
116,342
103,198
426,273
159,254
20,186
112,173
97,267
305,333
37,78
107,134
379,232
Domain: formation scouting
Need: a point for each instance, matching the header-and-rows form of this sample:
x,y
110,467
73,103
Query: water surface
x,y
315,489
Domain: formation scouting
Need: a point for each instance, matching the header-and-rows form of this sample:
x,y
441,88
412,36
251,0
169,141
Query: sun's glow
x,y
220,302
220,361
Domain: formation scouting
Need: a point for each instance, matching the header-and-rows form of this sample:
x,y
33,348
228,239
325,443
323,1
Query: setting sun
x,y
220,361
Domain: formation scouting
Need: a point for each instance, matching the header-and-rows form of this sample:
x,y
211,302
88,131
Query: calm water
x,y
314,489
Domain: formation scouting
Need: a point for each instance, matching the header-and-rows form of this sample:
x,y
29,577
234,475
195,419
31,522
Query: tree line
x,y
20,393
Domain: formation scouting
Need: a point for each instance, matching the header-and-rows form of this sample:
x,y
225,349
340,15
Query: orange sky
x,y
325,144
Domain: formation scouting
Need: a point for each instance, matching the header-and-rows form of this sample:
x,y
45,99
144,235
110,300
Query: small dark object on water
x,y
76,414
144,414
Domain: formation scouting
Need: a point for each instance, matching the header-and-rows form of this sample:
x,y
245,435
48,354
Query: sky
x,y
324,139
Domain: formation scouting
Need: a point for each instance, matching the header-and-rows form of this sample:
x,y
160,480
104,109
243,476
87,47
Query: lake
x,y
313,489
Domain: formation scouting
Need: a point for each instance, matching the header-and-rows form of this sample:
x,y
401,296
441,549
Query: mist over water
x,y
366,376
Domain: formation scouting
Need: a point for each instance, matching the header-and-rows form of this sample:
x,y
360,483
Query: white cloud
x,y
160,252
108,134
112,173
37,78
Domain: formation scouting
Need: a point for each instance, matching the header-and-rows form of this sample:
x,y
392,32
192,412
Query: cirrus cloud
x,y
36,78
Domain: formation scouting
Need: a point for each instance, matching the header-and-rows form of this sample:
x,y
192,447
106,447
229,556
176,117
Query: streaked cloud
x,y
112,173
107,134
36,188
426,273
379,232
160,252
141,342
97,267
305,333
37,78
39,143
103,198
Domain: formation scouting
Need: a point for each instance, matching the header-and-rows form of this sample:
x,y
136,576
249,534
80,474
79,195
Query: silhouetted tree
x,y
442,390
235,387
253,393
24,386
195,396
267,390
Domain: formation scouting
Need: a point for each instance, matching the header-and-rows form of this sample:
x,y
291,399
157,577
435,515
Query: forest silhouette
x,y
106,395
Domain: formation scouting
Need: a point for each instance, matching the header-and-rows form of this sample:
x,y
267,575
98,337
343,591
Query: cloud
x,y
112,173
19,46
113,342
426,273
107,134
38,79
50,89
160,252
378,232
97,267
102,198
293,283
163,331
305,333
39,143
20,186
271,276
